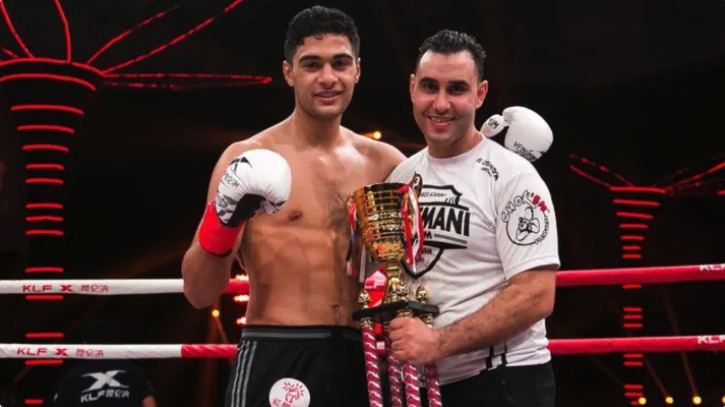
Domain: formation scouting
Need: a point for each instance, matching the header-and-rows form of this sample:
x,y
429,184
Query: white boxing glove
x,y
528,135
257,180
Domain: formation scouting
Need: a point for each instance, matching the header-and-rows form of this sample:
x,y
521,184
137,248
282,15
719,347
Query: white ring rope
x,y
105,287
591,277
556,346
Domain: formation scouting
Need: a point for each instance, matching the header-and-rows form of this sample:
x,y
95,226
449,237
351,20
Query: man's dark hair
x,y
319,20
449,42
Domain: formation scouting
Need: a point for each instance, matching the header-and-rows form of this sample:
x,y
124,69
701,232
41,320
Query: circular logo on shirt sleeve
x,y
289,392
526,218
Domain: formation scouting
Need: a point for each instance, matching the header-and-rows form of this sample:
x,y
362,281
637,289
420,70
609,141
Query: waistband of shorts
x,y
300,332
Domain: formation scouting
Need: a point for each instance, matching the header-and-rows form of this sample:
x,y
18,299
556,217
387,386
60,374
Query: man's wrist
x,y
214,237
440,343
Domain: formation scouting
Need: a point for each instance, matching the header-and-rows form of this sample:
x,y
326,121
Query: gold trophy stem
x,y
395,283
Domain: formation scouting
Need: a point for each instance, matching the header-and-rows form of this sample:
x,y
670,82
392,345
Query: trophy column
x,y
372,367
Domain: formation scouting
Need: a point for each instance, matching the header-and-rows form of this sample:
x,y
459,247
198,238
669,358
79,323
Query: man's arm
x,y
206,275
528,298
389,158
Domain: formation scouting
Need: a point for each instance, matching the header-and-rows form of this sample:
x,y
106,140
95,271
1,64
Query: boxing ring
x,y
574,346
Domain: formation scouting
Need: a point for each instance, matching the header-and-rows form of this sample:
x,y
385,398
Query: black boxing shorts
x,y
298,366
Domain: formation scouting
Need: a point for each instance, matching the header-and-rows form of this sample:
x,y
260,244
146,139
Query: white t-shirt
x,y
487,216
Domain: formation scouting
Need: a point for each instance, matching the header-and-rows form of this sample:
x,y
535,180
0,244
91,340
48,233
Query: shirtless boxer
x,y
281,208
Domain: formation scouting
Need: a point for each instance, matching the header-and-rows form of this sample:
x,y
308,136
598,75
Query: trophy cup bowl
x,y
380,220
381,210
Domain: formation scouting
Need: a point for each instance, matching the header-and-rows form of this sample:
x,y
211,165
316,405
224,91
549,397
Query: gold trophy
x,y
387,220
385,215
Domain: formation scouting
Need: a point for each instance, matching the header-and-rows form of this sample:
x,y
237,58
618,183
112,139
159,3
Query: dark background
x,y
634,86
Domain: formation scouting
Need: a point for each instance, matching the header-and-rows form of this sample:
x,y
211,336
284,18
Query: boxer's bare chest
x,y
321,185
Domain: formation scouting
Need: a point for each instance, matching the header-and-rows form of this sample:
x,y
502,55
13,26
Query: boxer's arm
x,y
206,275
390,158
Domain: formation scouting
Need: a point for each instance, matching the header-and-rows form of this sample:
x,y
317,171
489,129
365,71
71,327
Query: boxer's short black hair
x,y
319,20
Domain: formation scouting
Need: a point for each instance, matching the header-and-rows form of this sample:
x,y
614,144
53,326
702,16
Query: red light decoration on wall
x,y
634,206
48,98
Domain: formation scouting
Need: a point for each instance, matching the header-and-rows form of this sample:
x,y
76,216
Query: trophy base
x,y
387,312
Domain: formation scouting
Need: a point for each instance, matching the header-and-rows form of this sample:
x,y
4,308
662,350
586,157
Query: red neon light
x,y
715,168
62,78
33,402
172,42
601,168
635,202
633,386
62,108
634,403
173,86
43,206
633,356
12,30
54,61
634,215
49,127
721,192
44,181
638,189
632,309
8,52
142,85
631,247
44,270
45,147
633,394
632,325
124,34
182,76
632,363
631,286
40,362
632,256
589,177
630,317
230,77
633,226
43,232
66,30
632,237
43,218
44,335
44,167
44,297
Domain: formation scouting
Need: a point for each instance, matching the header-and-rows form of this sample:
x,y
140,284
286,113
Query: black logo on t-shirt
x,y
446,224
488,168
526,218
